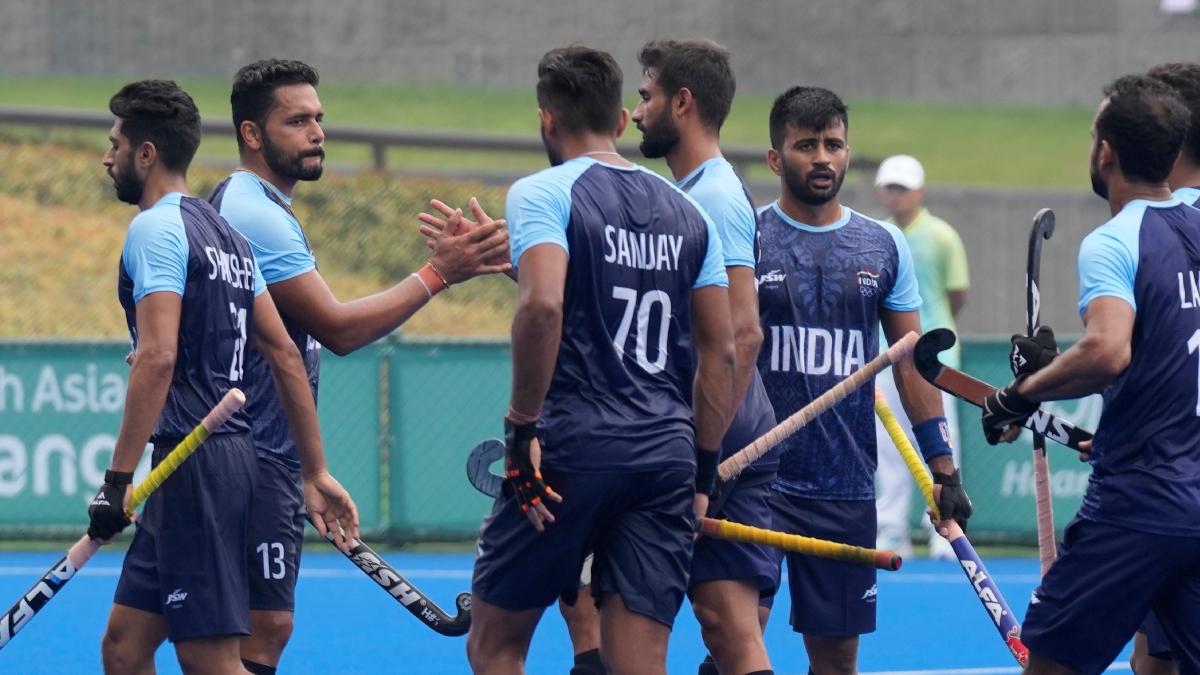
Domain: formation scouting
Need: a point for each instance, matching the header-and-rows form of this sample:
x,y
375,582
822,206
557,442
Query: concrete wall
x,y
994,225
976,51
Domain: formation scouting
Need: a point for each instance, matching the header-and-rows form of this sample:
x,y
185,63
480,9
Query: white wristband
x,y
423,284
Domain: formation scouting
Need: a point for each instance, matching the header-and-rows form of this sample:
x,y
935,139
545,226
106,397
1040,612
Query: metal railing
x,y
742,156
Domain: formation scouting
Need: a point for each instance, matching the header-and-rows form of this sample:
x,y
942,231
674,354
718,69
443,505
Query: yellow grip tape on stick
x,y
723,529
229,404
900,439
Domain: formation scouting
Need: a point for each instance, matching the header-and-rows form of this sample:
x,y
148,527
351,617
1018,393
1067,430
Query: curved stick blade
x,y
479,464
928,347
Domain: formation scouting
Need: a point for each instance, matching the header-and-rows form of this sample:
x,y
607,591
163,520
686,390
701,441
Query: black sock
x,y
588,663
708,666
258,668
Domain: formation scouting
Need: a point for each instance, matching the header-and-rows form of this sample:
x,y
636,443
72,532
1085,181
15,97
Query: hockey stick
x,y
408,595
985,589
1043,228
733,466
723,529
16,618
973,391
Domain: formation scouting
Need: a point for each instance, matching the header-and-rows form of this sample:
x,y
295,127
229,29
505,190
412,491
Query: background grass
x,y
1044,147
61,232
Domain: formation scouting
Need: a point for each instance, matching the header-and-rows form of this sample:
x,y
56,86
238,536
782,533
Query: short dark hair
x,y
161,112
1185,79
582,87
700,66
1145,122
254,89
806,108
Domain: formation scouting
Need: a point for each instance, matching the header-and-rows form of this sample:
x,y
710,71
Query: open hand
x,y
331,510
465,248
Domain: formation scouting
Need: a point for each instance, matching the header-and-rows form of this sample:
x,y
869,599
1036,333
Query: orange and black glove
x,y
521,478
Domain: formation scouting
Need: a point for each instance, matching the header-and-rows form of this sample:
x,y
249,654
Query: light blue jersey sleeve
x,y
538,208
260,284
1108,259
1189,196
156,251
724,201
905,296
712,271
280,248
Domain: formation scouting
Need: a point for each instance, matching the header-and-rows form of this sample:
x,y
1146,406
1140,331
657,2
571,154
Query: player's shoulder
x,y
716,177
1189,195
555,180
165,214
245,202
873,225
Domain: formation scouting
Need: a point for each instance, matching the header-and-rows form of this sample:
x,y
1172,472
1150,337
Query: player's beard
x,y
659,137
292,167
801,188
553,155
1098,184
130,186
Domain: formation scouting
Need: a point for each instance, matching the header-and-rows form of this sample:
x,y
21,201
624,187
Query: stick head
x,y
479,464
1043,224
928,347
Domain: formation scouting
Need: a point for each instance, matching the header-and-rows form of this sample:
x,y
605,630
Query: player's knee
x,y
269,636
122,653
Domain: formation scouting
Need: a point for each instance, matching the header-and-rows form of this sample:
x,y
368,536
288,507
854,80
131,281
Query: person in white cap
x,y
940,262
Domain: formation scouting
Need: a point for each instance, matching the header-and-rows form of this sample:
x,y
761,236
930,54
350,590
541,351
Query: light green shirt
x,y
940,262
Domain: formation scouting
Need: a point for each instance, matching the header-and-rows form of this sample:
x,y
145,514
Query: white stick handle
x,y
733,466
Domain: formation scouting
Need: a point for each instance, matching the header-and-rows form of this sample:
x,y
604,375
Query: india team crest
x,y
868,284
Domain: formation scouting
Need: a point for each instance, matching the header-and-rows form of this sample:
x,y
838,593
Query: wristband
x,y
518,418
434,283
706,470
933,438
414,274
118,478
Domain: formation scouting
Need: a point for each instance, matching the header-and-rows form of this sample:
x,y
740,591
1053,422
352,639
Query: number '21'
x,y
239,345
630,297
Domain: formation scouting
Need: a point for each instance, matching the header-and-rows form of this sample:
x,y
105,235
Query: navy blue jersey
x,y
820,293
620,397
181,245
718,190
1146,455
265,218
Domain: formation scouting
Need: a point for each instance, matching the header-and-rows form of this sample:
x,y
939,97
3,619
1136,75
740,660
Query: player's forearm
x,y
712,396
149,382
747,341
1086,368
921,401
355,324
536,333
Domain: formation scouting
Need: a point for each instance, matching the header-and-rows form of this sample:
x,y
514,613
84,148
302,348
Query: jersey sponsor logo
x,y
230,267
873,591
816,351
985,592
1184,302
176,598
772,277
642,250
868,284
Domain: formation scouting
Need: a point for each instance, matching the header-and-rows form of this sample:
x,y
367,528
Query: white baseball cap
x,y
901,170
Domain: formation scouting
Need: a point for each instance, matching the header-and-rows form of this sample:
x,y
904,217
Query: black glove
x,y
1031,354
954,502
107,510
520,476
1004,407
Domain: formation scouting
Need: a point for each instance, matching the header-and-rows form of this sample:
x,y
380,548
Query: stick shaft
x,y
733,466
1043,227
989,594
723,529
900,440
1045,508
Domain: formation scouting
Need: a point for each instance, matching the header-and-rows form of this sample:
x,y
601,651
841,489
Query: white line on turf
x,y
1004,670
317,572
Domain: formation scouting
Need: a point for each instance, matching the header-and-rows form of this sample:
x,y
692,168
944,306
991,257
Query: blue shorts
x,y
1157,644
1103,584
187,560
829,598
640,527
746,501
276,536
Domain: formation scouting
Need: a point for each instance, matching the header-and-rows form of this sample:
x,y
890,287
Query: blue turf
x,y
929,619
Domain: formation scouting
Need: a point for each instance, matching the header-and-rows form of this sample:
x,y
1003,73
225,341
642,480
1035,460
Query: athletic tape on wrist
x,y
433,280
933,438
423,284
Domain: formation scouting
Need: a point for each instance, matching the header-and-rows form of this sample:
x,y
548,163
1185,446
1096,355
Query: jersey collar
x,y
846,213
